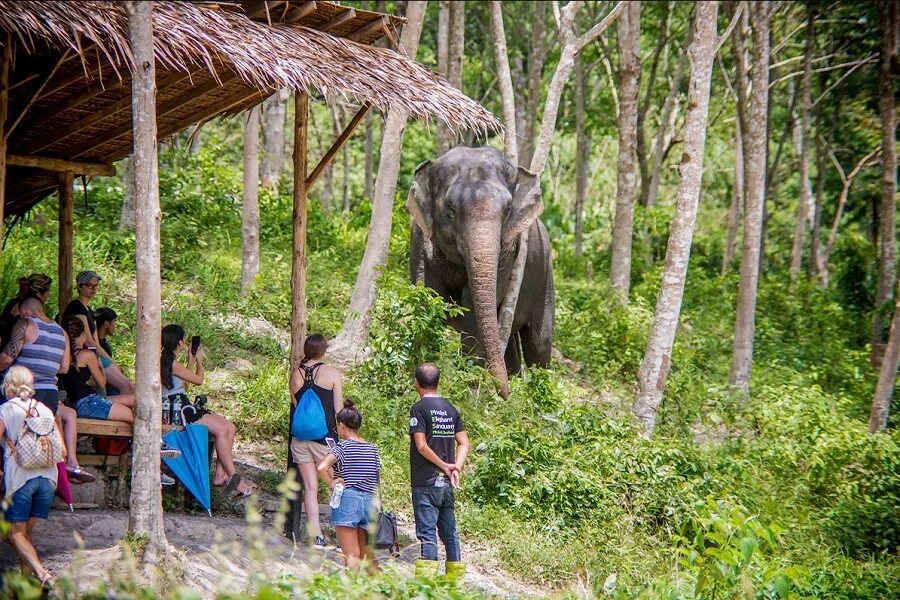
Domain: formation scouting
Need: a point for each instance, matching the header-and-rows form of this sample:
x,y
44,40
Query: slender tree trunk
x,y
629,84
504,77
536,58
145,514
126,215
345,155
274,110
755,139
887,217
582,154
804,212
644,106
815,248
370,155
250,208
887,376
443,60
655,366
327,195
352,338
737,199
455,53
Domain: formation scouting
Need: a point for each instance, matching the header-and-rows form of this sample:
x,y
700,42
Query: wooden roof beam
x,y
259,9
61,165
295,14
363,32
337,20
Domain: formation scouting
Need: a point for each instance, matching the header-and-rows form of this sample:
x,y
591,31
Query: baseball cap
x,y
86,276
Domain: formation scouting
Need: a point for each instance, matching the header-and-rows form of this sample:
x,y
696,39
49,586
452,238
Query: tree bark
x,y
66,235
370,155
250,205
443,61
504,77
753,126
629,84
299,222
582,155
536,57
657,360
355,332
804,205
644,106
737,199
815,246
887,375
888,210
274,111
455,53
145,514
126,215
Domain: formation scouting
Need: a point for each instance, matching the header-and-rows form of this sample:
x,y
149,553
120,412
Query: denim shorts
x,y
31,501
104,362
354,511
94,406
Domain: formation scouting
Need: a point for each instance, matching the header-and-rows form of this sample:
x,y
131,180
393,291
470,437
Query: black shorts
x,y
49,398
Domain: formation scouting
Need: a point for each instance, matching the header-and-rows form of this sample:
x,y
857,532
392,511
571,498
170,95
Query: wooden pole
x,y
293,521
66,210
5,59
145,514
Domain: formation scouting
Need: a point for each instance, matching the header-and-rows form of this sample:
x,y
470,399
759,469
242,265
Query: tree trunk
x,y
455,52
582,155
250,207
657,360
804,205
145,514
667,115
887,376
536,56
345,155
443,60
887,226
629,85
126,215
5,66
644,106
815,247
737,199
753,126
504,77
370,155
274,110
299,218
355,332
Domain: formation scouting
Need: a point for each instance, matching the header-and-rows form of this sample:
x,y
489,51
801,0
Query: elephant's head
x,y
472,204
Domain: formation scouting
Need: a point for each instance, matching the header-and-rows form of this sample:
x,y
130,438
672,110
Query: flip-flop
x,y
79,474
233,482
238,496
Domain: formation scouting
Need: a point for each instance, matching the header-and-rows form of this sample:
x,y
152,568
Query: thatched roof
x,y
72,63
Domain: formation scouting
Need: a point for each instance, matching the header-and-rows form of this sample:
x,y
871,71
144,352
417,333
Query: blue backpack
x,y
309,417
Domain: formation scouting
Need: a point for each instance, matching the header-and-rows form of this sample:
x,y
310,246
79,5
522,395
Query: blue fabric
x,y
355,510
309,418
94,406
104,362
433,509
192,467
31,501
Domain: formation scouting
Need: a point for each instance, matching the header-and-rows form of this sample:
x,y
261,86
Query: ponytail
x,y
172,335
19,383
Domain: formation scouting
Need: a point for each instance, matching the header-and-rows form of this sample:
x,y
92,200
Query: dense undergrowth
x,y
784,495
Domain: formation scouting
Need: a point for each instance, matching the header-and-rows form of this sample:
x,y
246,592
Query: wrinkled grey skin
x,y
468,208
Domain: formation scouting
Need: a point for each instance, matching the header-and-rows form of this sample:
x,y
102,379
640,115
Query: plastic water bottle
x,y
176,411
165,411
336,494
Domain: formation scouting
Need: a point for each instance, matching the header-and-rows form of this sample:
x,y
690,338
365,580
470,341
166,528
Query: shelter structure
x,y
65,91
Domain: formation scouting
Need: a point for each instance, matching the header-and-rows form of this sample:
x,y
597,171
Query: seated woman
x,y
85,378
116,381
36,285
175,377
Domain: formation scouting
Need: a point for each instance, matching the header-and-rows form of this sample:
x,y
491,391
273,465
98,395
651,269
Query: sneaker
x,y
167,451
165,479
321,543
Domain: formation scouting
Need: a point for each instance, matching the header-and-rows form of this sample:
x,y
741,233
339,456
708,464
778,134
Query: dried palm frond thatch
x,y
221,39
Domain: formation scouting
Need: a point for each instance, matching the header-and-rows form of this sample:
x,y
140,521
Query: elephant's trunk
x,y
481,256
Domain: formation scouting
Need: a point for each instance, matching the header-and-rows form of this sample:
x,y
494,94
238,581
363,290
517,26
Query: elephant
x,y
468,209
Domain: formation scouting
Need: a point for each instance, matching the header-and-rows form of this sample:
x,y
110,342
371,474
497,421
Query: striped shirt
x,y
358,463
44,355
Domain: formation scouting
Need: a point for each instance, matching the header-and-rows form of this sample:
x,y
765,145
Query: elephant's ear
x,y
526,205
418,201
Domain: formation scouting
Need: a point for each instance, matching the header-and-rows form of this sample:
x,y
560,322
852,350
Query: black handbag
x,y
386,534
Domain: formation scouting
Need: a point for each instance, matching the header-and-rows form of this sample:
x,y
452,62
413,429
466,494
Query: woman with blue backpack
x,y
317,394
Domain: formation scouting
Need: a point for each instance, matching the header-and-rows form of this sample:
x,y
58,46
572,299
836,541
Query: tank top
x,y
177,387
75,381
326,397
44,355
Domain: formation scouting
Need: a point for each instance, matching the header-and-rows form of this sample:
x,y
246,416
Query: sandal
x,y
238,496
48,580
231,484
79,474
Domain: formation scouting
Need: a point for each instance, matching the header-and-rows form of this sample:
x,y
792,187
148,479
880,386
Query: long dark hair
x,y
74,328
314,347
34,284
171,336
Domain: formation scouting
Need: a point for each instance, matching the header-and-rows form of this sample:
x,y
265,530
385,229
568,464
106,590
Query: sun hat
x,y
86,277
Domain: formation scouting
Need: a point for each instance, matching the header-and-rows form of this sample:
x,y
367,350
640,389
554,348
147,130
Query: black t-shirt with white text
x,y
439,421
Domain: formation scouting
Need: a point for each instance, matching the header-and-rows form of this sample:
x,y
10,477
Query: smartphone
x,y
330,442
195,344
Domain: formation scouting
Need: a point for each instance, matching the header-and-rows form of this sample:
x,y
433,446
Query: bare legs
x,y
117,379
310,478
20,538
66,418
354,544
121,412
224,433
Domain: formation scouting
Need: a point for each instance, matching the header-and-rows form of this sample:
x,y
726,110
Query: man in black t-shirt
x,y
438,447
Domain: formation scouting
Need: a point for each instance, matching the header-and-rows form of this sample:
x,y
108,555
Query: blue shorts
x,y
31,501
355,510
94,406
104,362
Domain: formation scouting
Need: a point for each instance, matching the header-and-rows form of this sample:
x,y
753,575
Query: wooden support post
x,y
66,210
337,145
298,280
5,60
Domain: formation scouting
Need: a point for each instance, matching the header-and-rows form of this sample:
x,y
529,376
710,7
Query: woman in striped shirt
x,y
358,466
